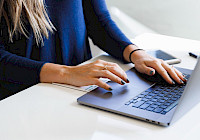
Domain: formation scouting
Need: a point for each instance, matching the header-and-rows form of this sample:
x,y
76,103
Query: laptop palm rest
x,y
120,93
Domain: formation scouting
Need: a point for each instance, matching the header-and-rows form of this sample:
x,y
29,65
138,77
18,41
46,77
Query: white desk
x,y
50,112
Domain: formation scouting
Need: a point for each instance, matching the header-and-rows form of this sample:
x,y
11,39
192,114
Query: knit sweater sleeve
x,y
17,72
103,30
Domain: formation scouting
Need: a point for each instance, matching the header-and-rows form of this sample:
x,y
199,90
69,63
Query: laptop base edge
x,y
125,114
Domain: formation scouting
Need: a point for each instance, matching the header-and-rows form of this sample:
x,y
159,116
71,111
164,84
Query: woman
x,y
44,42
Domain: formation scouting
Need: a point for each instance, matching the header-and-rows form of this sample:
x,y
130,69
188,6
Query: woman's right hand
x,y
84,75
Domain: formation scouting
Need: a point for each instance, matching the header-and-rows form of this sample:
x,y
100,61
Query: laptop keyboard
x,y
159,98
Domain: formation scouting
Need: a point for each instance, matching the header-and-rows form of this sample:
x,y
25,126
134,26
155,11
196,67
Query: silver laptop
x,y
148,98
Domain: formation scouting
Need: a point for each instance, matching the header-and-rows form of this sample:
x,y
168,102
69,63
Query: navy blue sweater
x,y
75,21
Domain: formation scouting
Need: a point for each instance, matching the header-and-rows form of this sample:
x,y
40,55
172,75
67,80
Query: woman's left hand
x,y
149,65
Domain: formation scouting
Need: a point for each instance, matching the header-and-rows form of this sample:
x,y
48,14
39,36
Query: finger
x,y
150,71
102,84
113,67
146,70
180,75
159,68
172,73
118,71
111,76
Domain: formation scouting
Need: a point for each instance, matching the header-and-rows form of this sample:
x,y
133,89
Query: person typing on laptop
x,y
44,41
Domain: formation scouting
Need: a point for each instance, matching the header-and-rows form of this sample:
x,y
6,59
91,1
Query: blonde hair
x,y
18,12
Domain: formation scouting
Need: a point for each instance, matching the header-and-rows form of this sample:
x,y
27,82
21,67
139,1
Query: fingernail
x,y
151,72
110,88
181,81
123,82
127,80
185,79
173,82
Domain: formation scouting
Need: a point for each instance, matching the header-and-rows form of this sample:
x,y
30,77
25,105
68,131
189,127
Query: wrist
x,y
132,53
53,73
128,50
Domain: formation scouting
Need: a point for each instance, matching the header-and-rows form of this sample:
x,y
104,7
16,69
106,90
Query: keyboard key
x,y
165,98
135,98
170,87
153,105
161,95
163,106
174,98
149,90
141,95
176,88
134,102
163,112
157,103
159,89
161,101
148,97
167,104
165,92
150,108
145,99
175,92
157,97
145,93
154,100
131,101
145,105
179,93
138,99
170,101
158,110
187,76
181,90
168,95
177,96
172,93
182,86
156,92
151,94
149,102
138,104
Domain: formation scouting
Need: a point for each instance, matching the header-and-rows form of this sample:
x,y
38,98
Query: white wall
x,y
170,17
